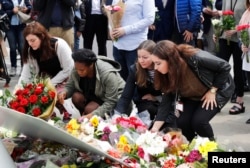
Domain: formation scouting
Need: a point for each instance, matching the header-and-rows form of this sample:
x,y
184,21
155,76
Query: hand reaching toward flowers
x,y
61,96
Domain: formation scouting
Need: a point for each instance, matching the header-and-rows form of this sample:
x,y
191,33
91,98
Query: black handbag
x,y
4,22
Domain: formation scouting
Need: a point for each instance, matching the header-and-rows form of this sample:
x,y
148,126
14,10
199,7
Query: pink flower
x,y
116,8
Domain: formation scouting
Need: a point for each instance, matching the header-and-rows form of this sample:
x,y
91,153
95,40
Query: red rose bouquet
x,y
37,98
244,36
228,22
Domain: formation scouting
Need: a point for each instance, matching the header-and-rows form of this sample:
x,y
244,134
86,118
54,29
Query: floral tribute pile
x,y
37,98
127,139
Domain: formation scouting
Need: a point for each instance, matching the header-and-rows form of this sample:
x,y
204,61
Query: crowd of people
x,y
157,66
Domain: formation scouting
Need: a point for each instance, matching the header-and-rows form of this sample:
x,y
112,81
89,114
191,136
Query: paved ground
x,y
231,131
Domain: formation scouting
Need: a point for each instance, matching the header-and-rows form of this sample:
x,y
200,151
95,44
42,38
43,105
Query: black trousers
x,y
225,52
96,25
195,120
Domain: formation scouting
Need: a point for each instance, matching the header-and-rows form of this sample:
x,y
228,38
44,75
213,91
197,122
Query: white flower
x,y
51,122
199,141
216,22
151,143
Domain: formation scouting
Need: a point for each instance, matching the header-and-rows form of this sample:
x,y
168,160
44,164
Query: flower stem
x,y
247,57
228,41
217,47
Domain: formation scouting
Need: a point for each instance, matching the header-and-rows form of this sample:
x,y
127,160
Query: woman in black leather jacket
x,y
201,81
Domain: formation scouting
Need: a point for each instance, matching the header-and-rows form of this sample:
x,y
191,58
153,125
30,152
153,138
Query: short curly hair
x,y
85,56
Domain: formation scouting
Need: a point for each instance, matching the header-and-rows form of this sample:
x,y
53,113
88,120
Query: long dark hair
x,y
45,50
176,56
141,73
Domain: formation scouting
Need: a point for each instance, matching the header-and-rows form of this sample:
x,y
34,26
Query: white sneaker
x,y
12,71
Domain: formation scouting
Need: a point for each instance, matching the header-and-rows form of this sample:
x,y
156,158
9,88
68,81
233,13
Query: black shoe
x,y
248,121
237,110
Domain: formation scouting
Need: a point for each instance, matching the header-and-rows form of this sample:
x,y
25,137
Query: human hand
x,y
209,100
23,9
15,10
84,117
78,33
118,32
244,48
152,27
149,97
61,96
229,33
188,36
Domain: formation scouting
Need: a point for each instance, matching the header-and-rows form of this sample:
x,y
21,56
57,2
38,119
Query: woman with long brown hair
x,y
45,55
139,86
200,81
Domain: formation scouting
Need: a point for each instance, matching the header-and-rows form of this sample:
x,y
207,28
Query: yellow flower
x,y
123,139
94,121
72,125
209,146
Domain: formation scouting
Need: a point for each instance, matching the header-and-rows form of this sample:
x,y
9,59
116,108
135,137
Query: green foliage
x,y
228,22
5,97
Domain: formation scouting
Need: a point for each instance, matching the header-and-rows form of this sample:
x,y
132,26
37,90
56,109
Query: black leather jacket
x,y
213,71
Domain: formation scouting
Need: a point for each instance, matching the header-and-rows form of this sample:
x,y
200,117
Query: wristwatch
x,y
213,90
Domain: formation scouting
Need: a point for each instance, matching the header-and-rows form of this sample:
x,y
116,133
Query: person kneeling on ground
x,y
95,84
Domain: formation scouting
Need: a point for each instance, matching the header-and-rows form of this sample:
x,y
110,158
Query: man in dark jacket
x,y
58,17
188,21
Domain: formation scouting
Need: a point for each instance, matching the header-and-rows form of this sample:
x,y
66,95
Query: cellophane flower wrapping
x,y
228,22
115,14
37,98
244,36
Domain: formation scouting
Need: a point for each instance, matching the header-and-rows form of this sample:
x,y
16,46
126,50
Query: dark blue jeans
x,y
16,41
126,59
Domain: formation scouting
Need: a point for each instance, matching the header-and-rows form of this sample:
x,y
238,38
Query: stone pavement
x,y
231,131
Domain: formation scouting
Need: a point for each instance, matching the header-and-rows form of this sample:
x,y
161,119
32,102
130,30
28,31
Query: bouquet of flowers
x,y
115,14
193,155
217,25
244,36
228,21
37,98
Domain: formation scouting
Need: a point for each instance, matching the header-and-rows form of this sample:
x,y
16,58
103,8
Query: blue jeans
x,y
76,40
126,59
16,41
